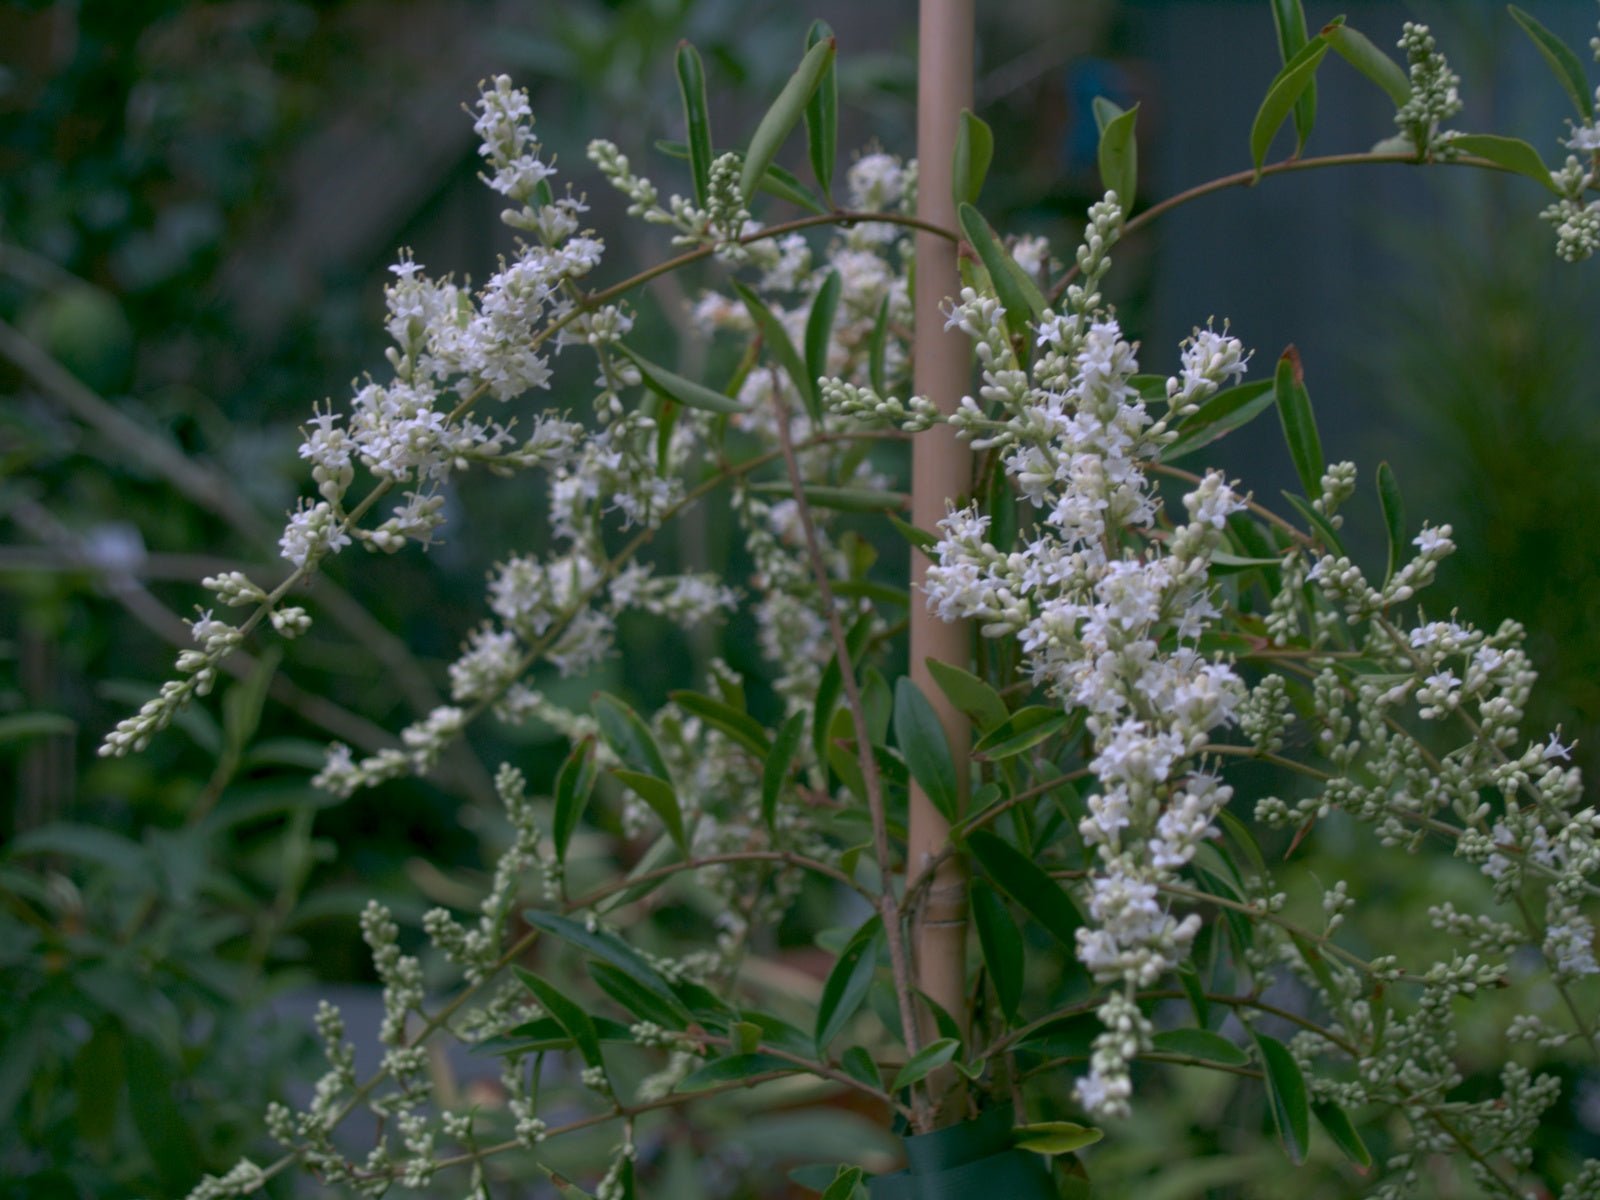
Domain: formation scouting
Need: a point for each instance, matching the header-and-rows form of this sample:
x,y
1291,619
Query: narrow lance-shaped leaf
x,y
568,1014
1119,157
776,182
1513,154
1286,1091
662,798
925,1062
822,113
574,786
1201,1044
1222,414
1001,944
726,719
922,742
1299,424
1357,50
776,770
974,152
675,387
1022,730
733,1068
1337,1125
786,110
1026,882
1018,295
639,1000
969,694
832,683
848,982
1290,19
776,340
628,736
607,947
1286,90
819,326
845,1184
1394,518
696,118
1055,1137
1566,65
877,350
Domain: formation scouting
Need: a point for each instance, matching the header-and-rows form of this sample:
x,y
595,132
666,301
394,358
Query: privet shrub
x,y
1140,631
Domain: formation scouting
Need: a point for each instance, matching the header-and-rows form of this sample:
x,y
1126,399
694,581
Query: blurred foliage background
x,y
198,201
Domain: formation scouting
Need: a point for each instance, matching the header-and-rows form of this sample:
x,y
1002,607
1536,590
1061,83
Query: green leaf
x,y
1019,877
1194,988
858,1064
848,982
1357,49
969,694
923,744
776,340
89,843
822,113
844,1184
1299,424
877,348
1290,20
832,683
1201,1044
574,1022
786,186
662,798
1337,1125
1018,295
675,387
1290,84
1022,730
974,152
574,786
1569,70
1055,1137
22,726
925,1061
1119,157
819,326
1223,413
1286,1090
628,736
919,539
696,119
1513,154
1002,946
775,772
162,1125
736,724
733,1068
639,1000
786,110
607,947
1318,523
1105,111
98,1072
1394,518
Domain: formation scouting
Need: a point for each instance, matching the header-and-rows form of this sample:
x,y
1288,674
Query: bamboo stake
x,y
941,472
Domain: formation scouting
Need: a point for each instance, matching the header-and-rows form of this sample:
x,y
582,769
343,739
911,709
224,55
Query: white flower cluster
x,y
1577,220
1435,95
1107,615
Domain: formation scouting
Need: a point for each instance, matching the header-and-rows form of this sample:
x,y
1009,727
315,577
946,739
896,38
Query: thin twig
x,y
888,906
